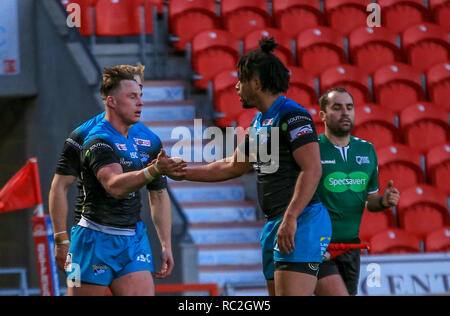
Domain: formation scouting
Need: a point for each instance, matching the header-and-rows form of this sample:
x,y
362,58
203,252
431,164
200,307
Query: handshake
x,y
174,168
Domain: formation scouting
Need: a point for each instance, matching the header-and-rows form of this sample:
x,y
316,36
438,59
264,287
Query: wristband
x,y
147,175
156,169
63,242
60,233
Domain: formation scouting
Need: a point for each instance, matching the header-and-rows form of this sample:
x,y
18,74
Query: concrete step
x,y
231,274
157,91
168,111
224,212
226,233
229,254
187,191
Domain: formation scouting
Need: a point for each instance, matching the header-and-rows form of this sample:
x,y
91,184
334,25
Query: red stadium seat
x,y
314,111
397,85
87,15
301,87
425,45
441,12
399,15
283,51
246,117
349,77
346,15
438,167
424,126
400,164
371,48
190,17
438,84
376,125
118,17
226,100
320,48
422,209
212,52
294,16
373,223
241,17
159,4
394,241
438,240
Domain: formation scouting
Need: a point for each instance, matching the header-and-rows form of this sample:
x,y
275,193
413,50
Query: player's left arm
x,y
161,212
299,131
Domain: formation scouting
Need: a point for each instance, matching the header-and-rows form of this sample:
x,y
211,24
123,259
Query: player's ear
x,y
322,115
111,101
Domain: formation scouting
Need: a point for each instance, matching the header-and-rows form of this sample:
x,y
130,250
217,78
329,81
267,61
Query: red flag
x,y
23,190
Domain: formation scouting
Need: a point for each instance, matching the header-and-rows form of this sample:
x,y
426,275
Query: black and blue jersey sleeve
x,y
99,153
69,163
297,129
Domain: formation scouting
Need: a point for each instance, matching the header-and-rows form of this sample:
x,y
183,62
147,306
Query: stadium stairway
x,y
223,224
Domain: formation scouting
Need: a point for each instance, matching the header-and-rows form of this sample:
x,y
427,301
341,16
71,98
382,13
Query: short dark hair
x,y
112,78
324,101
263,63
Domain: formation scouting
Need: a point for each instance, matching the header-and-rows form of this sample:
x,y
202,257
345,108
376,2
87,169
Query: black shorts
x,y
311,268
347,266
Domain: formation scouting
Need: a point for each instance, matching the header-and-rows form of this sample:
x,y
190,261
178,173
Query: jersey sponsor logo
x,y
340,182
303,130
362,160
143,142
95,146
134,155
126,163
74,143
121,146
99,269
297,118
267,122
328,162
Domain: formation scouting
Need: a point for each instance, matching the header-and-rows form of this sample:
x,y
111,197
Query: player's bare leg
x,y
134,284
86,289
271,287
331,285
288,283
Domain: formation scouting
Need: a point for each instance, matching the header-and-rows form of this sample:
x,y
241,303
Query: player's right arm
x,y
225,169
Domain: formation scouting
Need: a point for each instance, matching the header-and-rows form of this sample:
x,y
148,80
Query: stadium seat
x,y
438,85
314,112
373,223
398,15
301,87
376,125
438,240
212,52
283,51
190,17
424,126
400,164
346,15
425,45
226,100
422,209
397,85
159,4
349,77
394,241
438,167
373,47
118,17
246,117
320,48
241,17
294,16
87,15
441,12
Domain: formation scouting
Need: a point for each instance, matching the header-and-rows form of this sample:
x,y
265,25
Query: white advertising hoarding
x,y
414,274
9,38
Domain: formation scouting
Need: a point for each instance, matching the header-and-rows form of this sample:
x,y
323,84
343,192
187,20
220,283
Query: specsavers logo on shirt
x,y
341,182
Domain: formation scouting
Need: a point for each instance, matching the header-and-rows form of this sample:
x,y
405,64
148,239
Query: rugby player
x,y
298,227
349,184
69,168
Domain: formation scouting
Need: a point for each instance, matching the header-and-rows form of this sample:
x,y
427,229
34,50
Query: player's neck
x,y
267,101
340,141
118,124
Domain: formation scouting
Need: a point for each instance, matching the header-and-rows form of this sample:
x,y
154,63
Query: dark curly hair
x,y
262,62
